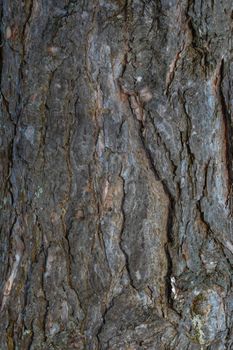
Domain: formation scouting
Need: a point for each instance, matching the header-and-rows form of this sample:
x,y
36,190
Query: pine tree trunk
x,y
116,175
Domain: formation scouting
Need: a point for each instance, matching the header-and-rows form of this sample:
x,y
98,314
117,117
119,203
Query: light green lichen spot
x,y
39,192
198,326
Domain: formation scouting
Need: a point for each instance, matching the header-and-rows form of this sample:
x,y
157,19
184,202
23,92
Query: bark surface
x,y
116,175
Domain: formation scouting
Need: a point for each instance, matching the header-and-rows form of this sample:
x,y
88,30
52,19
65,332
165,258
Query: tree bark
x,y
116,166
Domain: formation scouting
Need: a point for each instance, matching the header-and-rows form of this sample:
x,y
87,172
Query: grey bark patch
x,y
30,133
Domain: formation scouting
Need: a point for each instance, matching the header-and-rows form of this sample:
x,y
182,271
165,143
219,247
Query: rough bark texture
x,y
116,175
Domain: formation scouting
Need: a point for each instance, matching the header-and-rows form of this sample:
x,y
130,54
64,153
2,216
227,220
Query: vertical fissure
x,y
121,242
228,133
171,205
